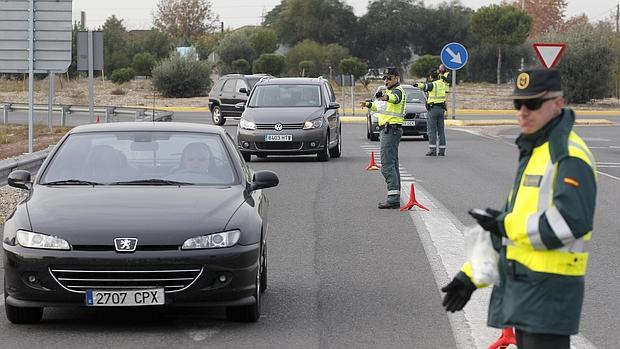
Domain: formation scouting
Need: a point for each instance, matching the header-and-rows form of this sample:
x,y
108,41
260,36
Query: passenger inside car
x,y
106,164
195,158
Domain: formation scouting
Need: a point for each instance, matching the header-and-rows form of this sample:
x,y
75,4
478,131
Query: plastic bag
x,y
380,105
480,253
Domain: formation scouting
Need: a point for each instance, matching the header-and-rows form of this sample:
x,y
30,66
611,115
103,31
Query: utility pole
x,y
522,9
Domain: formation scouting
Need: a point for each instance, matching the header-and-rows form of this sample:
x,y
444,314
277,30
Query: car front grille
x,y
119,278
278,145
284,126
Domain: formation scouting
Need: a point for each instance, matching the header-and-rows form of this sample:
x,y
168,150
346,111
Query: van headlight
x,y
316,123
247,125
42,241
217,240
422,115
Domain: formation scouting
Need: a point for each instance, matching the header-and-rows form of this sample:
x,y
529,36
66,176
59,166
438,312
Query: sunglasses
x,y
388,78
531,104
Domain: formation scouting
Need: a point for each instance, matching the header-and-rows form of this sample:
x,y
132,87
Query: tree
x,y
269,63
307,68
115,53
143,63
240,66
447,23
323,21
185,20
423,65
547,15
353,66
501,26
263,41
208,43
152,41
334,54
388,45
306,50
235,45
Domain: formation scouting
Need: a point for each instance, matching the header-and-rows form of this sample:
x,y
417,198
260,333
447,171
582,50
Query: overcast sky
x,y
138,14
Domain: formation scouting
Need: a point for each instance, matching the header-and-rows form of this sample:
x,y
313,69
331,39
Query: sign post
x,y
549,53
35,37
454,57
90,57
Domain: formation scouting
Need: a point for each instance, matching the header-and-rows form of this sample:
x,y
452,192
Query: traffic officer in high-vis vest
x,y
543,231
436,105
391,122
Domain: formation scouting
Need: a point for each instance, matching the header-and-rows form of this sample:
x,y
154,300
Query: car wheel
x,y
19,315
248,313
216,115
247,157
323,155
337,150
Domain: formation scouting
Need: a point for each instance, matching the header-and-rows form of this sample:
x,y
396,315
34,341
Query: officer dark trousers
x,y
435,128
389,162
528,340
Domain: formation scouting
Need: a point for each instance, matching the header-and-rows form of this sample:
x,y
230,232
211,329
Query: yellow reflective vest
x,y
438,93
394,112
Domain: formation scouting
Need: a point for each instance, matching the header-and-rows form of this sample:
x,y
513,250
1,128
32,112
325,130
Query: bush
x,y
423,65
240,66
307,68
269,63
122,75
143,63
182,77
353,66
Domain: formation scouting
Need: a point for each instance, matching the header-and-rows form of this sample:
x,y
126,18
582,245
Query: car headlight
x,y
35,240
316,123
422,115
217,240
247,125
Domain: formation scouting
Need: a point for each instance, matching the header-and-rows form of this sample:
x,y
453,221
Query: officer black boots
x,y
431,152
442,152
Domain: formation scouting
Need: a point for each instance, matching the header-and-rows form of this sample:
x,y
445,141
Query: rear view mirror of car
x,y
144,146
264,179
333,105
244,90
240,105
20,179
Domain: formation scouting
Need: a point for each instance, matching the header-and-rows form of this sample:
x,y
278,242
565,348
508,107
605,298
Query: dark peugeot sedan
x,y
138,214
291,116
415,115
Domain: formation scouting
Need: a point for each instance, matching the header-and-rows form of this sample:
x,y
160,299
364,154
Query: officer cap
x,y
534,83
391,71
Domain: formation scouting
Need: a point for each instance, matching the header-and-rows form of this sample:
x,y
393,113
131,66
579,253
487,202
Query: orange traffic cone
x,y
372,165
97,121
412,201
505,339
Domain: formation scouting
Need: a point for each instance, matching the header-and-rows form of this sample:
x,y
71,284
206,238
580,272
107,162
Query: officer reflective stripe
x,y
584,150
393,192
559,225
533,233
578,245
442,147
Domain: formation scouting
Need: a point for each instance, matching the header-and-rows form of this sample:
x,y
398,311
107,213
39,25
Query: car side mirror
x,y
240,105
20,179
333,105
244,90
264,179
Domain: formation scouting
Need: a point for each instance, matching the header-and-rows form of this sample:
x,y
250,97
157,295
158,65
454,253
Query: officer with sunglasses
x,y
543,230
391,122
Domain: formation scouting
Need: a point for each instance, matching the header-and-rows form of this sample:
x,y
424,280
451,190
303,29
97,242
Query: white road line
x,y
1,299
608,175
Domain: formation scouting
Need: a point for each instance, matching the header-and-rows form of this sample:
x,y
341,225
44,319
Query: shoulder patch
x,y
571,181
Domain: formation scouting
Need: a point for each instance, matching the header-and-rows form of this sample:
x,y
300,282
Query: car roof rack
x,y
266,77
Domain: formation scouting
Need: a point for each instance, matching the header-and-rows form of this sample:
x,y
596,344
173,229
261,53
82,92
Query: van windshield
x,y
268,96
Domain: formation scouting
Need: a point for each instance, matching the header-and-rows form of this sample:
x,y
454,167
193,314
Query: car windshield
x,y
414,95
289,95
141,158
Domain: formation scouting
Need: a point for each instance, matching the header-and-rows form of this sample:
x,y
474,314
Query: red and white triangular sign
x,y
549,53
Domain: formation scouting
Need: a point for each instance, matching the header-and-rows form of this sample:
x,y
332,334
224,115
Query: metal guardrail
x,y
139,114
30,162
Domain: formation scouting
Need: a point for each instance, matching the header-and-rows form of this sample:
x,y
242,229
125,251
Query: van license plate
x,y
278,138
409,123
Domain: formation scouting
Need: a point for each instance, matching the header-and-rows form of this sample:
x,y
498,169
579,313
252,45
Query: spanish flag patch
x,y
571,181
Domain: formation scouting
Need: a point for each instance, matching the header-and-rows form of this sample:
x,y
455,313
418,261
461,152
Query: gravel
x,y
9,197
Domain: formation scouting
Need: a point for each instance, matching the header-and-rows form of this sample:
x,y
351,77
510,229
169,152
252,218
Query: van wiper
x,y
72,182
151,181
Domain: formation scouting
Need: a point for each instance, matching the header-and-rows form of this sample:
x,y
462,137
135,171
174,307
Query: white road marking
x,y
202,334
1,299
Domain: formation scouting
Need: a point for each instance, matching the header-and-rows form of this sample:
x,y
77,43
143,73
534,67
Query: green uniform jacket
x,y
545,302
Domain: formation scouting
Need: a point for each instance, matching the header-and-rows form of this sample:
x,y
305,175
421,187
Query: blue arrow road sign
x,y
454,56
